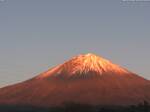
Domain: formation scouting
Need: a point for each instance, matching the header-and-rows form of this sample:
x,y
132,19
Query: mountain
x,y
84,79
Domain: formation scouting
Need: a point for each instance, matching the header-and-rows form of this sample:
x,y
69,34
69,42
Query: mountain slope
x,y
85,79
83,64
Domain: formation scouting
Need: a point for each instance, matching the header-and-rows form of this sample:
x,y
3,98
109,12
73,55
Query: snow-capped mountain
x,y
84,79
82,65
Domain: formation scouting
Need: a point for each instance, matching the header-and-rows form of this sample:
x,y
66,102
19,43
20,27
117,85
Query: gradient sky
x,y
38,34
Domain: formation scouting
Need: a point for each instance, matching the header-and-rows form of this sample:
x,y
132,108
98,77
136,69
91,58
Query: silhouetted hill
x,y
73,107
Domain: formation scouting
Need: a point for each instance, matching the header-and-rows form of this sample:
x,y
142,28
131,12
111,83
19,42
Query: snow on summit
x,y
83,64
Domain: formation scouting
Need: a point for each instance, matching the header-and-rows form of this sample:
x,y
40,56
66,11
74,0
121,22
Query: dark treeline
x,y
74,107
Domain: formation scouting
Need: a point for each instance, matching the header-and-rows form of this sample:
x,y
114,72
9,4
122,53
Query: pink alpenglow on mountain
x,y
82,65
84,79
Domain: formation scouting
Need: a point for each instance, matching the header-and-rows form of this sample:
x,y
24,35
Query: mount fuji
x,y
84,79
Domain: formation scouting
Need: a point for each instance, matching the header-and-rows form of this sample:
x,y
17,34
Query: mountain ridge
x,y
58,85
82,64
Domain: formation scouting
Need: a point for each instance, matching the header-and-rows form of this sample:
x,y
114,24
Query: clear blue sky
x,y
38,34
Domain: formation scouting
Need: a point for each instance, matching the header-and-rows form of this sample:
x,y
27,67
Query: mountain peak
x,y
84,79
89,54
84,64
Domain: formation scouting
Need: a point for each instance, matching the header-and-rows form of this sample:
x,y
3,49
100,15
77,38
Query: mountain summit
x,y
82,65
84,79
